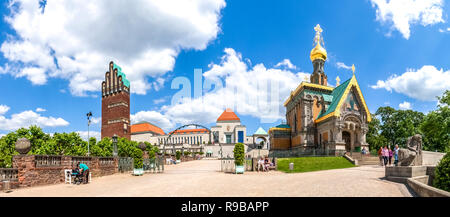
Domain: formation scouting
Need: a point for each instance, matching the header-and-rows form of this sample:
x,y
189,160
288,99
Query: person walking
x,y
385,154
380,156
396,155
390,155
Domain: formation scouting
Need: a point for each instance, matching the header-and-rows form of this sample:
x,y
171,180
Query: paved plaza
x,y
202,178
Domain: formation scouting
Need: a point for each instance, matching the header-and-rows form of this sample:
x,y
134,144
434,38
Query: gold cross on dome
x,y
306,78
318,38
318,29
353,68
338,81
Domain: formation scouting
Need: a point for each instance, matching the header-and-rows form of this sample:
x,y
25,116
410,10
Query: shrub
x,y
442,173
187,153
239,154
178,155
200,153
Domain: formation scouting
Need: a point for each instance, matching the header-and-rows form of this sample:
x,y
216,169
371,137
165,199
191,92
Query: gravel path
x,y
202,178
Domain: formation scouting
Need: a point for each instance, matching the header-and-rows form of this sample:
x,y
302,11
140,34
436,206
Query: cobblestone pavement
x,y
202,178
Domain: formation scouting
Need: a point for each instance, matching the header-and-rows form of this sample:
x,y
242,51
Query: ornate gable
x,y
346,98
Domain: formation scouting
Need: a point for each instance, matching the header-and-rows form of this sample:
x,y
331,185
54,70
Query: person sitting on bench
x,y
84,170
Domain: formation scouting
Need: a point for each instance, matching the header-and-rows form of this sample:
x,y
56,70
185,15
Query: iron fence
x,y
306,153
126,164
155,164
228,165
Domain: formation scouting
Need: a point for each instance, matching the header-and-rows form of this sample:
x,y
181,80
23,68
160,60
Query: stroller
x,y
78,177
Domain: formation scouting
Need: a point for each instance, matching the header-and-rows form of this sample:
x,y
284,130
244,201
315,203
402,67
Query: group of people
x,y
264,164
385,154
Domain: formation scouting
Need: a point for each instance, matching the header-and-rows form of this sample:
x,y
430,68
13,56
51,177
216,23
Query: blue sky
x,y
55,61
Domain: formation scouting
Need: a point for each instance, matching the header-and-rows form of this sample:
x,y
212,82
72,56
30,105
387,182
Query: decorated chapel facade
x,y
319,116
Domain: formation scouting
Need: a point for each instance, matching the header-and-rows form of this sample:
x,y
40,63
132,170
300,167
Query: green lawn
x,y
308,164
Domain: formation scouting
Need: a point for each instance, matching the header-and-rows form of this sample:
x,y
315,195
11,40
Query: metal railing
x,y
47,161
155,164
8,174
228,165
126,164
306,153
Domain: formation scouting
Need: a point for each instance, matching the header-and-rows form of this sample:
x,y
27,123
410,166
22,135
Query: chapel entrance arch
x,y
347,138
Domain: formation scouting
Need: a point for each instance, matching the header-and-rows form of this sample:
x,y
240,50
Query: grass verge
x,y
308,164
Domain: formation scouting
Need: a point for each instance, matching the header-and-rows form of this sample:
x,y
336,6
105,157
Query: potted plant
x,y
178,156
239,157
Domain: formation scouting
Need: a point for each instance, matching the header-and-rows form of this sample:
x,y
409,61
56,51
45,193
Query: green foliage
x,y
373,136
187,153
200,153
239,154
67,144
436,126
398,125
178,155
308,164
442,174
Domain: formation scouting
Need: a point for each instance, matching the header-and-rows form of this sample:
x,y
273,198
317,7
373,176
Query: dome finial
x,y
318,52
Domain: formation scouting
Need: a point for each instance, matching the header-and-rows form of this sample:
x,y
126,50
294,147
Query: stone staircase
x,y
364,160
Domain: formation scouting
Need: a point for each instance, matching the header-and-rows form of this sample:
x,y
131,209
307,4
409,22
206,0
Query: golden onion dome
x,y
318,52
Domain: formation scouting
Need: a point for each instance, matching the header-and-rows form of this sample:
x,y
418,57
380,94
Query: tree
x,y
239,154
373,136
442,174
397,125
436,126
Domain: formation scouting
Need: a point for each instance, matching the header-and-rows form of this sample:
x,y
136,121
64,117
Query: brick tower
x,y
115,103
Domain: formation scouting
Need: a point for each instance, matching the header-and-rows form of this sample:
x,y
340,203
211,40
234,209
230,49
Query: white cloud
x,y
40,110
159,101
84,135
286,63
405,106
95,120
28,118
403,13
4,109
153,117
75,40
342,65
255,91
2,135
424,84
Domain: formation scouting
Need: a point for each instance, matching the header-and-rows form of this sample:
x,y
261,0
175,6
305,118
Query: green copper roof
x,y
260,131
337,94
124,77
283,126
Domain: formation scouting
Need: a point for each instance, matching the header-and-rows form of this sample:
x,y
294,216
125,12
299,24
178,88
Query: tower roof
x,y
260,131
124,77
143,127
228,115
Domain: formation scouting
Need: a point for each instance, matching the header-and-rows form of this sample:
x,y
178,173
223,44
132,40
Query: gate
x,y
126,164
155,164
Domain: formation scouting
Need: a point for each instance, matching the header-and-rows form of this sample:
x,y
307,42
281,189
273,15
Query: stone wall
x,y
431,158
34,170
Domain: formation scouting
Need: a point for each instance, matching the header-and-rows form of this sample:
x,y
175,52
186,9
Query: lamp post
x,y
89,115
114,139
